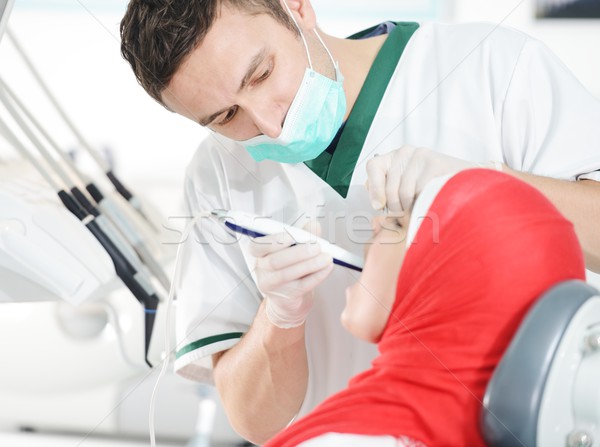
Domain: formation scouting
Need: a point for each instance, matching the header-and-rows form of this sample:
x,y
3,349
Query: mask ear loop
x,y
326,49
301,35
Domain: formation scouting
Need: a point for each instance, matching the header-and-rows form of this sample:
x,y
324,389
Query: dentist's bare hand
x,y
286,276
397,178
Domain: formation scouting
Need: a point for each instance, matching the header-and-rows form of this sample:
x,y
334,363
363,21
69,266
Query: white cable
x,y
326,49
169,303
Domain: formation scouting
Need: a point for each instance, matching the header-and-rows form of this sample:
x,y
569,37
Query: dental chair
x,y
546,390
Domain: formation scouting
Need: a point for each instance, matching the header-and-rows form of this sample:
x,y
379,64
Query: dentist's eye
x,y
264,76
228,116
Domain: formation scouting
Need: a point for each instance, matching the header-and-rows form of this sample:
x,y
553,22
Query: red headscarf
x,y
489,247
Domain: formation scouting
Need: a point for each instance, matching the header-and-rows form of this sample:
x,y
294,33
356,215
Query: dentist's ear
x,y
303,13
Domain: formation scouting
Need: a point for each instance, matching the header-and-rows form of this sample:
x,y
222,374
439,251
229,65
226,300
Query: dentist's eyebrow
x,y
254,63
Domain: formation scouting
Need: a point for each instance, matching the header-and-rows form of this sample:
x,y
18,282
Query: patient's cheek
x,y
362,316
347,314
370,299
353,317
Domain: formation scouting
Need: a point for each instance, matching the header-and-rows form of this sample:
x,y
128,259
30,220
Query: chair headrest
x,y
513,397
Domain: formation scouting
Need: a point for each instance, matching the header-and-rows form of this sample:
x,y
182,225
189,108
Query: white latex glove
x,y
397,178
286,276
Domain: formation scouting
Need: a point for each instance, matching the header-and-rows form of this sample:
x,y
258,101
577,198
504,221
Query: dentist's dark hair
x,y
157,35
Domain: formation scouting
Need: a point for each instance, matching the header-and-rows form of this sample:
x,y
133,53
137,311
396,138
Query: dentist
x,y
296,117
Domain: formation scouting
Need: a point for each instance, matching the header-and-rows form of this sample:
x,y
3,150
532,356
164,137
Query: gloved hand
x,y
397,178
286,276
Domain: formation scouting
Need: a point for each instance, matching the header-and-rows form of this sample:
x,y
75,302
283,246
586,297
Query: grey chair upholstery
x,y
512,402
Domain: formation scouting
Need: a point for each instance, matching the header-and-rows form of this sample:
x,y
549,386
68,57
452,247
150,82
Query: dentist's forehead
x,y
209,77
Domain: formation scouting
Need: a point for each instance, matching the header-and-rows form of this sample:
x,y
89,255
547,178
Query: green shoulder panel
x,y
337,170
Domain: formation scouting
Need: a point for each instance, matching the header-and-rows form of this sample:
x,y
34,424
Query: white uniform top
x,y
472,91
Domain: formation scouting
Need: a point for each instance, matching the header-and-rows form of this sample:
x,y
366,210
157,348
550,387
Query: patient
x,y
488,247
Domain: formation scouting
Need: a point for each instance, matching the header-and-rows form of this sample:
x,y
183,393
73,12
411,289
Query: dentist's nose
x,y
268,120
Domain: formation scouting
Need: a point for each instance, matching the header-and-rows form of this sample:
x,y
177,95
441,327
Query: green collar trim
x,y
207,341
337,170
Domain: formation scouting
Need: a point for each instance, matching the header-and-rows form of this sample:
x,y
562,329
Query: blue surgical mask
x,y
313,119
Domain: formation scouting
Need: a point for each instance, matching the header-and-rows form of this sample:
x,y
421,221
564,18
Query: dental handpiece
x,y
258,226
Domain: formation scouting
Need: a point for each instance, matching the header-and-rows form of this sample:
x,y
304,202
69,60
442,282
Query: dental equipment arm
x,y
5,7
25,252
45,253
123,268
108,214
119,186
106,206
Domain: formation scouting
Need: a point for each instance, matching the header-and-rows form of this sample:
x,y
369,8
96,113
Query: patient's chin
x,y
359,316
359,326
348,320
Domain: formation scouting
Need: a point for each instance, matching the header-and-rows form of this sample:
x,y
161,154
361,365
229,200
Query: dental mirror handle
x,y
259,226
